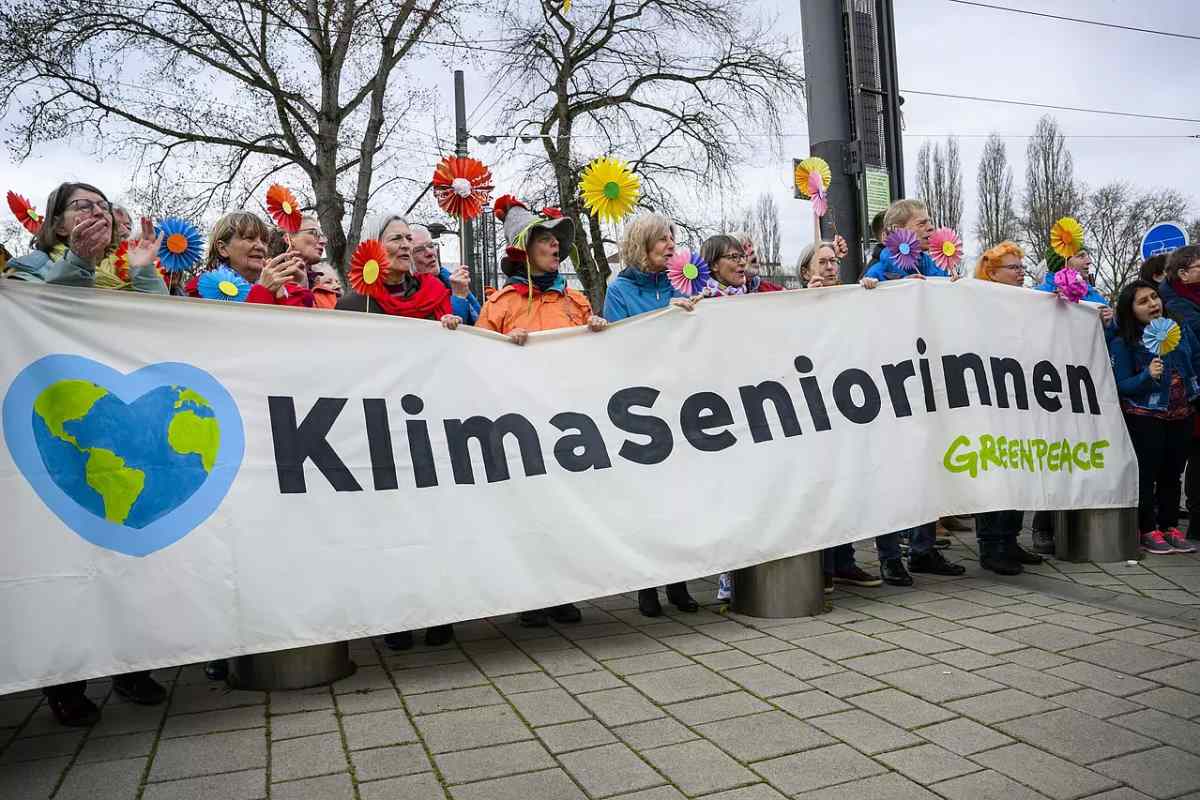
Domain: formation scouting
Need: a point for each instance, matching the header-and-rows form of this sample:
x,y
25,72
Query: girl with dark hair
x,y
1156,395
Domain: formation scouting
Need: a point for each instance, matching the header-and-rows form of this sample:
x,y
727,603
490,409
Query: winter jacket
x,y
1092,295
509,309
1131,368
757,284
72,270
465,307
296,295
636,292
1181,308
886,268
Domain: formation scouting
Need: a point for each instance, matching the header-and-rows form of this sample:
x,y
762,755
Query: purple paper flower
x,y
1070,285
904,248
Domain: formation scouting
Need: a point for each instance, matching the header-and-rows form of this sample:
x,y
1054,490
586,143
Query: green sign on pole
x,y
879,191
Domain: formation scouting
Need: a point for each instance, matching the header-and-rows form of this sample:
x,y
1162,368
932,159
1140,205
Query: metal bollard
x,y
1105,535
298,668
789,587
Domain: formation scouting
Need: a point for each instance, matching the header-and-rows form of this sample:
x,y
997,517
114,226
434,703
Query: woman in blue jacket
x,y
1180,292
1156,394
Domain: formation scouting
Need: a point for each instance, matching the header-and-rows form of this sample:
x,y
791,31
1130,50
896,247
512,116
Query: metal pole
x,y
829,131
467,227
886,26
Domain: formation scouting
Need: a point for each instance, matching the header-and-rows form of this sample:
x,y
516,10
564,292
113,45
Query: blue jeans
x,y
837,559
921,539
997,526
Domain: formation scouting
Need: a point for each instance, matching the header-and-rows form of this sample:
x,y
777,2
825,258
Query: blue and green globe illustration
x,y
129,464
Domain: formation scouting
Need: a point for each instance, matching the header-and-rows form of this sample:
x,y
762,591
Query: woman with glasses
x,y
78,239
726,258
308,244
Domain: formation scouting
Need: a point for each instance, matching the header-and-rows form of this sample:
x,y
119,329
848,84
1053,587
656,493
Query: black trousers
x,y
1162,450
1191,479
997,526
79,687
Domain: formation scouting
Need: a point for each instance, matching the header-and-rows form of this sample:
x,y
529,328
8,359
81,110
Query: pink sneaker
x,y
1153,542
1178,541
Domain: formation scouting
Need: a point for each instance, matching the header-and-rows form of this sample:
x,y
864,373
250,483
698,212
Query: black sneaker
x,y
534,619
856,576
677,593
140,688
893,573
217,670
996,557
438,635
933,563
399,641
566,613
73,709
1043,542
1021,555
648,603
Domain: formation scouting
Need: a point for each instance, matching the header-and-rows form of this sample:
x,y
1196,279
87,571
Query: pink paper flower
x,y
1070,285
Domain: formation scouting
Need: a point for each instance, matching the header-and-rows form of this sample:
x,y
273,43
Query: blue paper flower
x,y
223,283
182,244
1161,336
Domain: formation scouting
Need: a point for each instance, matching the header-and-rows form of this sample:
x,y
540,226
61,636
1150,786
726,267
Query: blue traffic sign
x,y
1163,237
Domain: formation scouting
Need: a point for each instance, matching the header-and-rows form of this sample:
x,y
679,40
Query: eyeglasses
x,y
1017,267
735,256
313,232
87,206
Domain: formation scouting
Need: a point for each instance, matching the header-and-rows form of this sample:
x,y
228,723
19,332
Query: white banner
x,y
188,479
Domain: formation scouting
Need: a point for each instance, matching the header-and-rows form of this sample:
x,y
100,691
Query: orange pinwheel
x,y
368,267
283,208
462,185
25,213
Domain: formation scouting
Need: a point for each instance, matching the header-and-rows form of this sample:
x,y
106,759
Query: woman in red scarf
x,y
240,241
422,296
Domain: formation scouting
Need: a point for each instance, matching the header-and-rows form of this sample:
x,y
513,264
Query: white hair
x,y
376,224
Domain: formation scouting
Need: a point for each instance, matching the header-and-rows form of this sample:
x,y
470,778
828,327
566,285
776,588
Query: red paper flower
x,y
462,185
121,262
503,204
25,213
368,268
283,208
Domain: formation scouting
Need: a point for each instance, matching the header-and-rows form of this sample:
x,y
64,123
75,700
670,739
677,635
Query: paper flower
x,y
688,272
1066,237
283,208
945,248
904,248
461,186
804,170
223,283
1161,336
368,268
182,244
121,261
610,189
816,192
25,213
1070,285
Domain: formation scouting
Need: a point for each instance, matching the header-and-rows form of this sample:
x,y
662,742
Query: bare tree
x,y
767,235
1050,188
1115,218
668,85
939,182
997,219
238,92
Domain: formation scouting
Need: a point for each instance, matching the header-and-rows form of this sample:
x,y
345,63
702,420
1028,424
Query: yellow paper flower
x,y
610,189
812,164
1066,237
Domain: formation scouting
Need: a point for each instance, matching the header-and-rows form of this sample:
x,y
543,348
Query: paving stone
x,y
865,732
1052,637
918,642
1101,678
205,755
548,707
1164,727
1172,701
1189,647
389,762
191,699
1128,658
759,791
982,641
938,683
845,684
968,659
496,664
900,707
377,729
1137,636
692,644
619,706
928,763
302,700
711,709
659,793
648,663
246,785
1123,793
439,678
576,735
871,627
801,663
107,780
815,769
329,787
891,786
1000,706
811,704
114,748
60,744
765,680
728,631
963,736
366,701
1039,684
1080,623
609,770
307,757
305,723
891,661
426,658
762,736
763,645
932,625
552,784
1183,676
698,767
844,644
566,662
1052,776
1035,658
411,787
888,612
986,785
526,682
802,630
465,766
231,719
655,733
454,699
633,644
469,728
1075,736
369,678
1098,704
33,780
953,609
577,631
1165,772
14,711
683,683
727,659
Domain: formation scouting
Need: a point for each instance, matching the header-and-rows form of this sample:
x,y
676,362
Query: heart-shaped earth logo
x,y
132,463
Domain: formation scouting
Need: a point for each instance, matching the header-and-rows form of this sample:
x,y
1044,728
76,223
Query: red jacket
x,y
295,295
767,286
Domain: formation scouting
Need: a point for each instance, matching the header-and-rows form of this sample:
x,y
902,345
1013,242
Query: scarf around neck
x,y
1188,291
418,296
546,282
715,288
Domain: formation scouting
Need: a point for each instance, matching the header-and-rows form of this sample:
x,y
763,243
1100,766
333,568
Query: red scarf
x,y
1188,291
431,300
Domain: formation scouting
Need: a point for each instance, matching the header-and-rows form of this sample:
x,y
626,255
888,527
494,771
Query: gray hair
x,y
416,228
376,224
810,252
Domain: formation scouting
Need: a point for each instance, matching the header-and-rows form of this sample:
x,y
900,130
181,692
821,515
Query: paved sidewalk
x,y
1043,686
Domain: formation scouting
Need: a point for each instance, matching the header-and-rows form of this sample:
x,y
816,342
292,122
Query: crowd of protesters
x,y
78,241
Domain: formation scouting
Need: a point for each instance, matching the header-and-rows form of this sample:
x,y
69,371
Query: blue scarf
x,y
547,282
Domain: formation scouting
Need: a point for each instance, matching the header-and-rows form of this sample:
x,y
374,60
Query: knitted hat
x,y
519,224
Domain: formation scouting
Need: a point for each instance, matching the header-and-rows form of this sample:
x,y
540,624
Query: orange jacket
x,y
509,309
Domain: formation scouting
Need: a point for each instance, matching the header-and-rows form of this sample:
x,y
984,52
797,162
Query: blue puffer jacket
x,y
465,307
886,268
1092,295
1131,368
635,292
1182,309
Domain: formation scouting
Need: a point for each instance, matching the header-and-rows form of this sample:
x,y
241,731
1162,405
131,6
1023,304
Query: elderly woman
x,y
308,244
427,258
419,296
78,239
1179,290
754,281
240,241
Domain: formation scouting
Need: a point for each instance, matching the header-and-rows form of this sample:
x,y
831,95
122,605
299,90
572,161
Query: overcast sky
x,y
942,47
